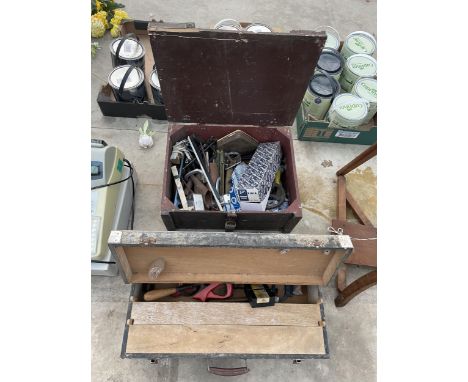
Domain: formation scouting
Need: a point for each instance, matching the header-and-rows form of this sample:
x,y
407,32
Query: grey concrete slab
x,y
351,329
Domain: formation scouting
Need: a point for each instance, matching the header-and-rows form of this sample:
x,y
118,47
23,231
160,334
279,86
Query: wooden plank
x,y
122,261
357,210
341,202
224,313
183,239
193,265
224,339
356,287
360,159
365,251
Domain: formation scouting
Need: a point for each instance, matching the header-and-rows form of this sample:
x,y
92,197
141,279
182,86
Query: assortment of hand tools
x,y
256,295
233,173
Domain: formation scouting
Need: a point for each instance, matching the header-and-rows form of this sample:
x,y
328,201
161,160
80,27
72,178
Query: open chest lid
x,y
234,77
191,257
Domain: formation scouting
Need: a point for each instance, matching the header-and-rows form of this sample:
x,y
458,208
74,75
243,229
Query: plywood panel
x,y
239,265
224,313
225,339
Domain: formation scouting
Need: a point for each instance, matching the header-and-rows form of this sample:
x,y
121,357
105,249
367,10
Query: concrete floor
x,y
352,329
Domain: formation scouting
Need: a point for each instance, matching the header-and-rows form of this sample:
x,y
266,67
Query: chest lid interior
x,y
231,77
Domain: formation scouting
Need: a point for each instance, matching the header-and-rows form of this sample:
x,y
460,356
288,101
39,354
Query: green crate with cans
x,y
340,103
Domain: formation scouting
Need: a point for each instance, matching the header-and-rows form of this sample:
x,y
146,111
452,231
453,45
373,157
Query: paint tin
x,y
330,61
333,37
127,50
228,24
367,88
156,87
127,83
347,111
357,66
319,95
358,43
258,28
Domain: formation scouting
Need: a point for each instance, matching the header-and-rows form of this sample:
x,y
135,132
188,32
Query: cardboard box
x,y
309,129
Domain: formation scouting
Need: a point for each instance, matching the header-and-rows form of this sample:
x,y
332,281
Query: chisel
x,y
156,294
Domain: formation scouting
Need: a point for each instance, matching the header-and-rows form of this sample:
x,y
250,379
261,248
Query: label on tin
x,y
366,88
362,66
347,134
361,44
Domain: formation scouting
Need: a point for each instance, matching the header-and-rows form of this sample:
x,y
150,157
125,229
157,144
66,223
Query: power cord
x,y
132,219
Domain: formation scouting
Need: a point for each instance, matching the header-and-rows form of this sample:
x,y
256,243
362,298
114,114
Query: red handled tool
x,y
208,292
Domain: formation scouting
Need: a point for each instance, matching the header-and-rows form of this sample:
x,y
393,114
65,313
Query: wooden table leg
x,y
356,287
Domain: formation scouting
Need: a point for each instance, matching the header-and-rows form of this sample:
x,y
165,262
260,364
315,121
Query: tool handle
x,y
156,294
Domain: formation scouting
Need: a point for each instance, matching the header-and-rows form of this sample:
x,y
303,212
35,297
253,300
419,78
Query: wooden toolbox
x,y
294,329
215,82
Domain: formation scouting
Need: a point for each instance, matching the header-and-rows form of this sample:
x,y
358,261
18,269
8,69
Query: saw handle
x,y
156,294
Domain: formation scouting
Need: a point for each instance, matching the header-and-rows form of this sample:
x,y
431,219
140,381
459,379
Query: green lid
x,y
349,106
332,41
366,88
362,65
361,42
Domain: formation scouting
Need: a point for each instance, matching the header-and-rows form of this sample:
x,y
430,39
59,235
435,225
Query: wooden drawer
x,y
294,329
201,257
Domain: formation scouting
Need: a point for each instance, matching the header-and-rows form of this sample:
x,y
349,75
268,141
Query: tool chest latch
x,y
231,222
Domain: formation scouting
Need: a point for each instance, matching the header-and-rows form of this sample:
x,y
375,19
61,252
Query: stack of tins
x,y
127,78
354,101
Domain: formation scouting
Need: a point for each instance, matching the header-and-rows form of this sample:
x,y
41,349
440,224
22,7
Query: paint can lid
x,y
330,60
322,85
361,42
135,78
131,48
228,24
362,65
333,37
366,88
349,107
154,80
257,27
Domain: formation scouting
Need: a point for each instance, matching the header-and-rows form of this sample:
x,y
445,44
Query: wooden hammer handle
x,y
156,294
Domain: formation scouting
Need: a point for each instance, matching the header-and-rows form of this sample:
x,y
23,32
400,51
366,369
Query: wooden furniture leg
x,y
360,159
356,287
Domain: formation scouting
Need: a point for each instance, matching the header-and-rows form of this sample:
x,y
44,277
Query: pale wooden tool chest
x,y
295,329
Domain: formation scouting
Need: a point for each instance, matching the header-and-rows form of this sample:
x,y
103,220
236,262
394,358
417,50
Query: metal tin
x,y
366,88
347,111
330,61
333,37
357,66
258,28
133,88
228,24
358,42
156,87
131,52
319,95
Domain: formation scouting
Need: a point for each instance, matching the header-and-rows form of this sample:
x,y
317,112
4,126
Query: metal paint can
x,y
348,111
228,24
357,66
258,28
127,50
330,61
358,42
319,95
333,37
127,83
156,87
366,88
